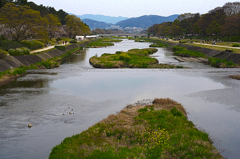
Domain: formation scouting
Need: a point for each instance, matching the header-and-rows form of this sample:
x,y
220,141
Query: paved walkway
x,y
44,49
47,48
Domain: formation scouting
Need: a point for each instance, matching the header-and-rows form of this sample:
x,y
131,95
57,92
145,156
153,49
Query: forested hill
x,y
146,21
93,24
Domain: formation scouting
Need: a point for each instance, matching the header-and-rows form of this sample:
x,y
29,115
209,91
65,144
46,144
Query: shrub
x,y
62,48
19,51
32,45
73,41
235,45
215,62
58,39
3,54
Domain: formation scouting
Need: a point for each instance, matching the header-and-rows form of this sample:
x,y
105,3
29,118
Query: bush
x,y
3,54
62,48
19,51
73,41
219,63
32,45
235,45
58,39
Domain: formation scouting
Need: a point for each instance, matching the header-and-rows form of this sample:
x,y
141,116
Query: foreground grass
x,y
160,130
134,58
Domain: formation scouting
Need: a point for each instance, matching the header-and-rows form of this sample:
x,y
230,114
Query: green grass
x,y
181,51
48,64
134,58
221,63
160,130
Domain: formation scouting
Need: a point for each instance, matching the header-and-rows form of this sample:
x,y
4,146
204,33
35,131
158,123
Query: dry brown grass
x,y
237,77
168,104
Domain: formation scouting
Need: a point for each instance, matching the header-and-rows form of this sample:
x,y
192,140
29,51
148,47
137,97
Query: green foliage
x,y
19,51
99,44
73,41
3,54
58,39
159,44
62,48
181,51
235,45
221,63
8,44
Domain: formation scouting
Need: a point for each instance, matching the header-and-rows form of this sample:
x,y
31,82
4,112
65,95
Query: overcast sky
x,y
133,8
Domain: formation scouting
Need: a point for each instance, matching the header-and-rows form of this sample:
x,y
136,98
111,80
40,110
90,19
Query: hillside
x,y
102,18
93,24
145,21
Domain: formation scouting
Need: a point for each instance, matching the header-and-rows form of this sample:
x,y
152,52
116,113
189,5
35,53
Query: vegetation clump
x,y
62,48
237,77
221,63
160,130
235,45
134,58
19,51
158,44
3,54
183,52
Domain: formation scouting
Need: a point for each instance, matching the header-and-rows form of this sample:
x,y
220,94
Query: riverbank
x,y
13,67
159,130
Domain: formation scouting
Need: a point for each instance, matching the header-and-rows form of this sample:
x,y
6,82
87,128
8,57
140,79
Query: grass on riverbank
x,y
183,52
222,63
47,64
160,130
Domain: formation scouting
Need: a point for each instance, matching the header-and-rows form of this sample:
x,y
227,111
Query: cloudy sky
x,y
133,8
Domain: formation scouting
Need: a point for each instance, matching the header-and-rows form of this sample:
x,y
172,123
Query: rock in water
x,y
30,125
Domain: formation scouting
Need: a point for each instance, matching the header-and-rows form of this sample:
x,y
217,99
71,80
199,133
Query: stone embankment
x,y
11,62
229,56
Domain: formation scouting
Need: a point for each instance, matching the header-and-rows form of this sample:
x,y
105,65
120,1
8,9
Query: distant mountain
x,y
102,18
146,21
93,24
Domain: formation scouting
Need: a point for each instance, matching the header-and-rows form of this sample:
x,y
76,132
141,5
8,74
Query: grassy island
x,y
102,42
159,130
134,58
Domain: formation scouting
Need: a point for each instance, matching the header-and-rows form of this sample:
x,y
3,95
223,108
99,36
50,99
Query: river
x,y
65,101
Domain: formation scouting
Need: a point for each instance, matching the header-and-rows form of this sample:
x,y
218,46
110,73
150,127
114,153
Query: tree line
x,y
20,20
221,21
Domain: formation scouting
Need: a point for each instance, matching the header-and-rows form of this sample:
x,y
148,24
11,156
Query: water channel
x,y
44,98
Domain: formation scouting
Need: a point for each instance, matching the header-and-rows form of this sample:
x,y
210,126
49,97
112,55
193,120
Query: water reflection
x,y
45,97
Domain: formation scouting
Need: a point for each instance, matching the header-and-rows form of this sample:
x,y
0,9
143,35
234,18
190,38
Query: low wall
x,y
209,52
27,60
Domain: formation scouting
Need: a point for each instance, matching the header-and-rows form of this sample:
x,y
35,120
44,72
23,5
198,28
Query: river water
x,y
65,101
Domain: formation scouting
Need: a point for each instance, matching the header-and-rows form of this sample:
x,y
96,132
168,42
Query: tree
x,y
20,22
218,20
202,24
52,24
3,2
75,26
232,26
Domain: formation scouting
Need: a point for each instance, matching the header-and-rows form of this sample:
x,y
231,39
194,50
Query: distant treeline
x,y
221,21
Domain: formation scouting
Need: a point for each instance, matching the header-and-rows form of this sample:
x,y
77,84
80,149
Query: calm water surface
x,y
44,98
